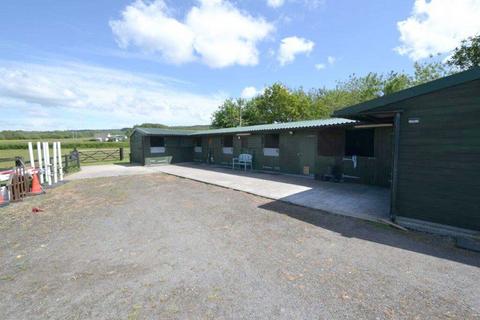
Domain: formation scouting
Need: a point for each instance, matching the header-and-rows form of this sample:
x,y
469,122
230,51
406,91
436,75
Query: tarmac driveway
x,y
160,247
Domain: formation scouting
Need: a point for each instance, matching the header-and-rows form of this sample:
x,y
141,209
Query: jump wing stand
x,y
60,164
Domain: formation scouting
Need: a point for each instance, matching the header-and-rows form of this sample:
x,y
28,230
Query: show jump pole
x,y
46,153
60,164
55,175
30,153
40,164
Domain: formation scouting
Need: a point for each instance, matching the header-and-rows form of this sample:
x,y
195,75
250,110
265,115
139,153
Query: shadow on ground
x,y
432,245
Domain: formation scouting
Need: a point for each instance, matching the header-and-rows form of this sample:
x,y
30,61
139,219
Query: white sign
x,y
271,152
198,149
227,150
157,149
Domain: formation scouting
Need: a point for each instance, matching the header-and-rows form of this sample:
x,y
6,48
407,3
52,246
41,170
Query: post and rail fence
x,y
72,160
69,163
91,156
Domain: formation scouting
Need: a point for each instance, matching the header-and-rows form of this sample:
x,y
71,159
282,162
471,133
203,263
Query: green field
x,y
66,143
20,149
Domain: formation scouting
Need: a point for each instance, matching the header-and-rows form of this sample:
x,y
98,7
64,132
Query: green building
x,y
423,143
436,158
362,152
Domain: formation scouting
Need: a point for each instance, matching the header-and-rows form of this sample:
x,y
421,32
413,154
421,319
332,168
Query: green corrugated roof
x,y
279,126
164,132
247,129
439,84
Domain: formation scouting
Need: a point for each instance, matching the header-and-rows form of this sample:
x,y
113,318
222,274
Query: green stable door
x,y
298,152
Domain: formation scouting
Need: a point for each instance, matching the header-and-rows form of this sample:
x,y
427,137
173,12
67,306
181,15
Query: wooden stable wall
x,y
297,154
177,149
374,170
439,157
136,148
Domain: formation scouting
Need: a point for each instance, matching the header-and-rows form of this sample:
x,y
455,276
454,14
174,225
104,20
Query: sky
x,y
115,63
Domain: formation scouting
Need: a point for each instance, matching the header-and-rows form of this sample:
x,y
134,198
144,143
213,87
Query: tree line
x,y
278,103
56,134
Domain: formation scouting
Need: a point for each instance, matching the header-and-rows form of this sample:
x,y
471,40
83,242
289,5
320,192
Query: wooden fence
x,y
72,160
90,156
68,165
19,184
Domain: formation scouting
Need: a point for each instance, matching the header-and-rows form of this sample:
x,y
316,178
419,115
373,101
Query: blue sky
x,y
111,64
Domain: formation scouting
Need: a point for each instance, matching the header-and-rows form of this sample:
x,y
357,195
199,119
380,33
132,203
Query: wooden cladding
x,y
331,142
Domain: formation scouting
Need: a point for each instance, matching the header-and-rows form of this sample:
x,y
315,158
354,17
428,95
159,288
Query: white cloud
x,y
292,46
250,92
275,3
331,60
437,26
149,27
110,97
214,32
314,4
310,4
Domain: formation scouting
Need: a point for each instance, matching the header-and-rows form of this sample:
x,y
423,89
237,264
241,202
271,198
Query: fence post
x,y
121,154
66,163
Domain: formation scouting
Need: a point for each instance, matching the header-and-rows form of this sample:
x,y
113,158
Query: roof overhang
x,y
362,110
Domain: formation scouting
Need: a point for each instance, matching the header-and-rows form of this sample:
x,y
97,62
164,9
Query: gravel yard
x,y
160,247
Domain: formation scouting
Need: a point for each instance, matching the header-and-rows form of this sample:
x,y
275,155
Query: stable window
x,y
227,145
157,141
272,141
271,145
360,142
228,141
198,145
157,145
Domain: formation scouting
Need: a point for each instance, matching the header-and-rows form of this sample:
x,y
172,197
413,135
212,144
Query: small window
x,y
198,142
272,141
360,142
157,142
228,141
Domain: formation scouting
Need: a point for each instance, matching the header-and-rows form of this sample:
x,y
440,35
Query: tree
x,y
429,71
466,56
396,81
228,114
150,125
278,103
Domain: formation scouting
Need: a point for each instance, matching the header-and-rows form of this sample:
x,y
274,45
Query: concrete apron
x,y
354,200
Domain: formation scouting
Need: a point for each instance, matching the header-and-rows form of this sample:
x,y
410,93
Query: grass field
x,y
23,141
67,147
